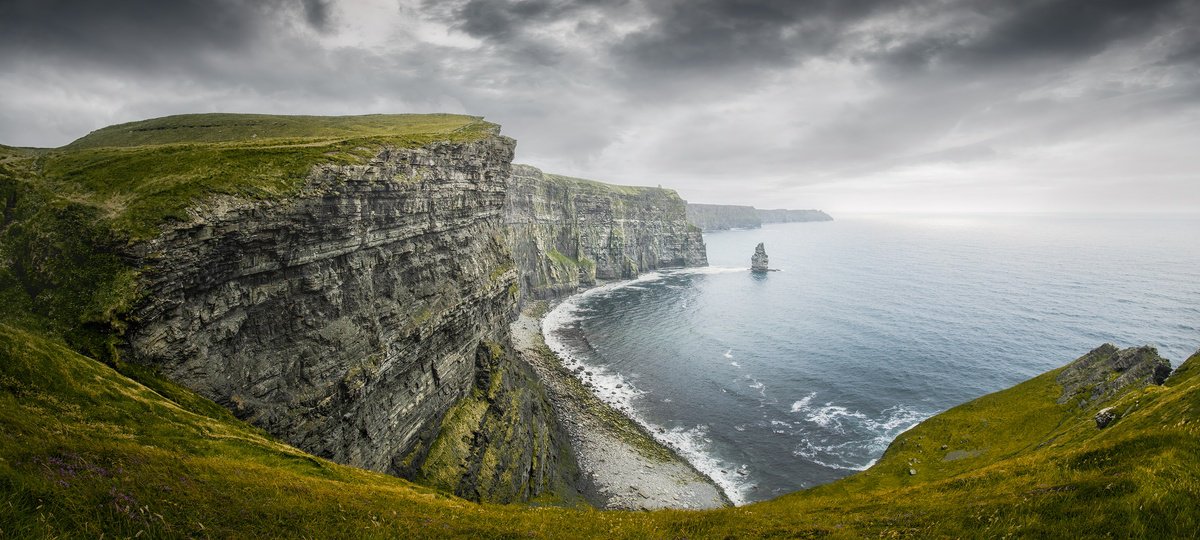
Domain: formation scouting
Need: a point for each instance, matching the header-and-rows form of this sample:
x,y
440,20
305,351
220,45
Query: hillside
x,y
85,450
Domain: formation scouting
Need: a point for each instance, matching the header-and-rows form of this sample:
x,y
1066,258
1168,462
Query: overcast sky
x,y
845,105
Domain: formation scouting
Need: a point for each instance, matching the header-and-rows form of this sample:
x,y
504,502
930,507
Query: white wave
x,y
615,390
835,452
832,416
693,445
735,364
757,385
802,404
729,353
870,435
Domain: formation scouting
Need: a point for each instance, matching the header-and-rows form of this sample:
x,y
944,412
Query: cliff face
x,y
349,319
566,232
722,217
791,216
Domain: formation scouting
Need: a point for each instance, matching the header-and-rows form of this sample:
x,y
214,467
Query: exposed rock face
x,y
1106,370
1105,417
791,216
348,319
567,232
758,262
722,217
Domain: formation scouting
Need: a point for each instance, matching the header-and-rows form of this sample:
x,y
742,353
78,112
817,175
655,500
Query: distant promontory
x,y
722,217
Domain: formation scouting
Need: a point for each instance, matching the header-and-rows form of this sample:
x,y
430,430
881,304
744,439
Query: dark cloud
x,y
700,94
709,34
316,12
142,33
1069,28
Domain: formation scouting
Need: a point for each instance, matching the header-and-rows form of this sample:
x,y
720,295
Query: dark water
x,y
771,383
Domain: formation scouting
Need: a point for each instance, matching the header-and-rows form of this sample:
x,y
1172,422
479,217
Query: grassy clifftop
x,y
140,174
86,450
68,212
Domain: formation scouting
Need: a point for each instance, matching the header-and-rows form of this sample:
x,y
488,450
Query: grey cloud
x,y
142,34
710,34
703,95
316,12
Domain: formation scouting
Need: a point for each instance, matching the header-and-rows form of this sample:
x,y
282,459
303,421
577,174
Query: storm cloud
x,y
848,105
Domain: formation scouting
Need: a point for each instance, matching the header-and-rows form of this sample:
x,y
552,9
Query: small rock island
x,y
758,262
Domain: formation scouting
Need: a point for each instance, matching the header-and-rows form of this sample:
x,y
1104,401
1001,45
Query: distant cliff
x,y
566,232
792,216
722,217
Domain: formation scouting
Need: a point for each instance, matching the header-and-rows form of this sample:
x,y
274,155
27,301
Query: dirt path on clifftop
x,y
624,468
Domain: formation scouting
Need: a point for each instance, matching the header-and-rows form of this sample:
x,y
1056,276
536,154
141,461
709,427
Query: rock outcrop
x,y
758,261
792,216
569,232
722,217
1107,370
348,320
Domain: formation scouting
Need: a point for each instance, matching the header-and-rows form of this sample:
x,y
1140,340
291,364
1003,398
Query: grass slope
x,y
85,450
141,174
67,212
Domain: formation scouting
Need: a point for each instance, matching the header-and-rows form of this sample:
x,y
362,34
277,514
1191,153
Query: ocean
x,y
777,382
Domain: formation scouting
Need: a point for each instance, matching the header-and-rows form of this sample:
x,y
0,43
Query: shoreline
x,y
624,467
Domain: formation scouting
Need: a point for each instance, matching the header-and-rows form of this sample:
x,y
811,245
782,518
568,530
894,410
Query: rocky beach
x,y
623,467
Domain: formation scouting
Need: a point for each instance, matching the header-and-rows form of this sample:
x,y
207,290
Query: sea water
x,y
774,382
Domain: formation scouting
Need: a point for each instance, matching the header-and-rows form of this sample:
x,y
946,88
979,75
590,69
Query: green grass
x,y
86,450
69,213
142,174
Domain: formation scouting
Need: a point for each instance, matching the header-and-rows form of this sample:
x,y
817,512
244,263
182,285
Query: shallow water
x,y
772,383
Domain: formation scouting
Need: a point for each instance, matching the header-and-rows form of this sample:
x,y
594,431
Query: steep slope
x,y
86,451
566,232
340,282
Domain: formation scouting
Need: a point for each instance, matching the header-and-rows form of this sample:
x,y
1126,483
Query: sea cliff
x,y
346,284
569,232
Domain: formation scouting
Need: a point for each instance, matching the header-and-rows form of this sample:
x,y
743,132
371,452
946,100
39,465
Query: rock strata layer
x,y
366,319
569,232
349,319
1107,370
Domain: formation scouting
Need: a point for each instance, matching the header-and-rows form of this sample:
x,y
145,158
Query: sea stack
x,y
758,263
